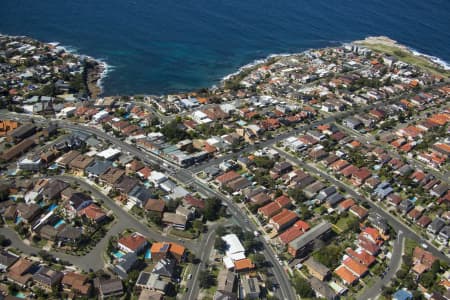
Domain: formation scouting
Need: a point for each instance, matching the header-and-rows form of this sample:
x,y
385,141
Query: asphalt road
x,y
394,265
193,283
395,223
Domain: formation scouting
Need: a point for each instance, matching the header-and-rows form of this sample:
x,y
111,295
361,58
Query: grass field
x,y
408,57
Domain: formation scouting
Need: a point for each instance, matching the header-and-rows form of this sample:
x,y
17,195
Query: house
x,y
275,207
21,271
283,220
360,176
345,205
175,220
250,287
301,245
345,275
234,252
226,282
53,189
98,168
359,211
361,256
165,267
47,278
77,202
125,265
296,230
352,123
152,282
109,287
93,213
444,235
150,295
260,198
281,168
155,205
322,289
28,212
436,225
243,265
316,269
7,259
162,250
111,176
139,195
64,160
18,149
227,177
356,268
134,243
69,234
80,163
77,283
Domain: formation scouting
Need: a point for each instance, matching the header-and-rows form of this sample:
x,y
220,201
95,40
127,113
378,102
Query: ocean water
x,y
157,47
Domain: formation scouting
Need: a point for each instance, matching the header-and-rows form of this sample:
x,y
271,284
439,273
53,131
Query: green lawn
x,y
344,222
408,57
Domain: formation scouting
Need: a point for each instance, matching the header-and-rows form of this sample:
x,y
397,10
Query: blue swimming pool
x,y
148,254
20,295
18,220
118,254
52,207
59,223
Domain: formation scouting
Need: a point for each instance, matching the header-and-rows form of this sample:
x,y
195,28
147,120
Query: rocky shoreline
x,y
94,76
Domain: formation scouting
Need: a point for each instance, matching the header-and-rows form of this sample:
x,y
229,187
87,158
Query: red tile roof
x,y
355,267
346,276
133,241
227,177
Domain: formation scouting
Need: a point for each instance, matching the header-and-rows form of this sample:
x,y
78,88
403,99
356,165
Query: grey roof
x,y
48,276
151,281
334,199
322,289
310,235
69,233
126,263
141,193
7,259
165,267
126,184
54,188
436,225
110,286
99,167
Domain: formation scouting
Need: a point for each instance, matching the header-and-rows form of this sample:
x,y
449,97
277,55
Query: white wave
x,y
442,63
106,70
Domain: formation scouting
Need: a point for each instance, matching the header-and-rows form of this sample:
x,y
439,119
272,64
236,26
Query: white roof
x,y
156,176
108,153
235,249
228,262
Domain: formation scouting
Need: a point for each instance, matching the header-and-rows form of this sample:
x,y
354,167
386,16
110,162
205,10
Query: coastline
x,y
98,69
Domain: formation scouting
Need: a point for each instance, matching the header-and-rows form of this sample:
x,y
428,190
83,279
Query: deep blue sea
x,y
165,46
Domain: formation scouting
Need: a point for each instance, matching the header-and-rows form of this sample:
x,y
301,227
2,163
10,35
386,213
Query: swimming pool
x,y
18,220
20,295
52,207
148,254
59,223
118,254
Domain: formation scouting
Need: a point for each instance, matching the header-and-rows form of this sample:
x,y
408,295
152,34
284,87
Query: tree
x,y
264,162
427,279
298,195
258,259
220,245
154,217
4,242
329,255
220,230
303,288
212,209
198,226
205,279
